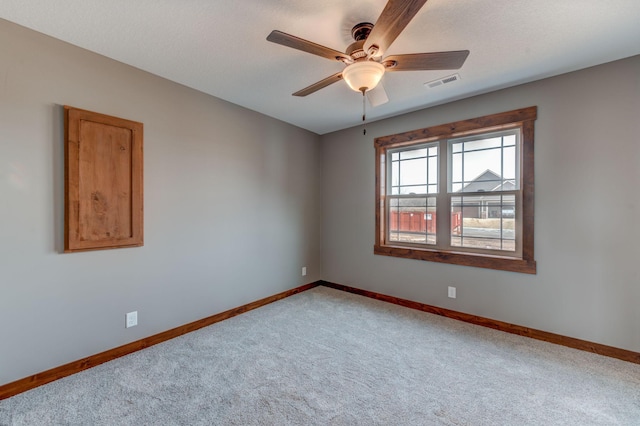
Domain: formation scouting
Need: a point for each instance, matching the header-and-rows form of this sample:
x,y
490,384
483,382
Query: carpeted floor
x,y
325,357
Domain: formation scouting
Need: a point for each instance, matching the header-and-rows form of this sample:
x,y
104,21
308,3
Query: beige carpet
x,y
325,357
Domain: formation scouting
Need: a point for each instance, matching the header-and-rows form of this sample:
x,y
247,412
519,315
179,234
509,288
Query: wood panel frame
x,y
524,119
103,181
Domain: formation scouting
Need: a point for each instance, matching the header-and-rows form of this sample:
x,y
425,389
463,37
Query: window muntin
x,y
485,167
410,211
414,170
452,210
486,162
484,222
412,220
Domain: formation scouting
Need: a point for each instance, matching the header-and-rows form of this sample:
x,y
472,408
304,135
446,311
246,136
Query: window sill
x,y
501,263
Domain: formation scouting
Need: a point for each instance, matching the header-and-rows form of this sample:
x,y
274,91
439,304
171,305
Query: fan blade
x,y
377,95
394,18
319,85
288,40
426,61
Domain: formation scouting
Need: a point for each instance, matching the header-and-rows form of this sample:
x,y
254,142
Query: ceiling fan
x,y
364,60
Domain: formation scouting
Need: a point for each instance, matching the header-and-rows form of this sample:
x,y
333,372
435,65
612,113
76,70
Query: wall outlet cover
x,y
132,319
452,292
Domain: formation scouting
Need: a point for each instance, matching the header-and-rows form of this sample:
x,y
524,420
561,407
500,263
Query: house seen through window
x,y
459,197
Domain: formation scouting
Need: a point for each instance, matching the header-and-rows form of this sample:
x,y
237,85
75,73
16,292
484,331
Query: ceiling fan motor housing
x,y
356,50
359,32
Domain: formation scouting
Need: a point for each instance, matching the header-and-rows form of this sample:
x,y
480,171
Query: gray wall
x,y
587,184
232,207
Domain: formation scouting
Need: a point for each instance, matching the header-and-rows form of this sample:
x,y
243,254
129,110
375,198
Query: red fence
x,y
420,222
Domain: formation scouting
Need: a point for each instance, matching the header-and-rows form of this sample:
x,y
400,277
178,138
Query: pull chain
x,y
364,112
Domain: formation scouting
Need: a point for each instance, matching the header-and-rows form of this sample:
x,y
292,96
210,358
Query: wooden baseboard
x,y
39,379
558,339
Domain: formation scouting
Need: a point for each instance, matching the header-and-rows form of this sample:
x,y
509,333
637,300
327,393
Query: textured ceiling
x,y
219,46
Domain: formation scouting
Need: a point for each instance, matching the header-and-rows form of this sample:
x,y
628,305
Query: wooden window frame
x,y
523,119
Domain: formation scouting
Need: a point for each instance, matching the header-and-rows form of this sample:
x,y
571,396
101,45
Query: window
x,y
459,193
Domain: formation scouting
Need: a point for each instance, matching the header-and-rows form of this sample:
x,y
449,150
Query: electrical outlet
x,y
304,271
452,292
132,319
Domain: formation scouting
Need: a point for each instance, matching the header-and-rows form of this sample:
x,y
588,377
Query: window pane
x,y
509,161
413,172
456,168
481,170
483,222
412,220
483,160
433,170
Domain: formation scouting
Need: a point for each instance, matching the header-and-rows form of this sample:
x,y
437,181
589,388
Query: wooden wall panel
x,y
103,181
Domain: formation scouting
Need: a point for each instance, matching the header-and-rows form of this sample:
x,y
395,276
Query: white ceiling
x,y
219,46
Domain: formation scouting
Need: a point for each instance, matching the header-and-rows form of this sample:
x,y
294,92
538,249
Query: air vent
x,y
445,80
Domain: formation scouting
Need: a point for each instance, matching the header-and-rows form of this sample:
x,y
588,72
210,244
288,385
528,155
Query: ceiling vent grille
x,y
444,80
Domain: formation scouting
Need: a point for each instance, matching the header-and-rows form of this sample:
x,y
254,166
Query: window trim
x,y
521,118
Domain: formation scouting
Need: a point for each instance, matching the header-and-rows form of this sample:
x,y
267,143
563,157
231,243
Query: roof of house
x,y
488,181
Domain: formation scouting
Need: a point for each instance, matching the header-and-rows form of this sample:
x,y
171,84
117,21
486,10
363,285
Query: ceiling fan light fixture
x,y
363,75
